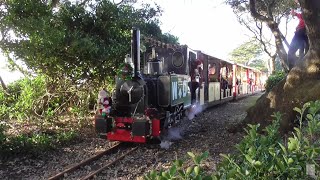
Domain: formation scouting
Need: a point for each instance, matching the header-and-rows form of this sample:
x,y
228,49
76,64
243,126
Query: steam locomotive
x,y
170,83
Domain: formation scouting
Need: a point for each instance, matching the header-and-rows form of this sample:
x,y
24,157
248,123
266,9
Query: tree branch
x,y
254,13
3,85
270,6
54,3
20,69
84,2
258,34
284,39
260,38
117,4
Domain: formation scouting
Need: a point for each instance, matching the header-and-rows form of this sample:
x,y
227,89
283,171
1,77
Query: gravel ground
x,y
206,132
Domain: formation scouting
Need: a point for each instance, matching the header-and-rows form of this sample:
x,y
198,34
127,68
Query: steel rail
x,y
85,162
107,165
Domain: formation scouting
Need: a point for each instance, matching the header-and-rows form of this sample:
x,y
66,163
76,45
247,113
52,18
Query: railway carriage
x,y
168,85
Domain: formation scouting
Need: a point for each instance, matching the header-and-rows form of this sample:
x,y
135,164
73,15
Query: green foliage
x,y
2,132
266,156
274,79
262,155
74,49
265,7
80,42
249,53
43,100
278,66
125,71
31,102
259,64
254,15
34,143
179,171
19,101
246,52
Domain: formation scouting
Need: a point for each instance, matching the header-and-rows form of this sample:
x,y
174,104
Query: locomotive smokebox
x,y
135,51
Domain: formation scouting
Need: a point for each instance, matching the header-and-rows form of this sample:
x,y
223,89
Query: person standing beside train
x,y
196,79
299,40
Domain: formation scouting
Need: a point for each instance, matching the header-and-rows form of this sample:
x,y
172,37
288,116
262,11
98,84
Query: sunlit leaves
x,y
246,52
269,156
74,41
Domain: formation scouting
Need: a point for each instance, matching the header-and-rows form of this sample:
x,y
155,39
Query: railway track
x,y
112,150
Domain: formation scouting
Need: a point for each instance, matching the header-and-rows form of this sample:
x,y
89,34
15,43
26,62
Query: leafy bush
x,y
2,133
31,106
274,79
178,171
19,101
41,99
33,144
267,155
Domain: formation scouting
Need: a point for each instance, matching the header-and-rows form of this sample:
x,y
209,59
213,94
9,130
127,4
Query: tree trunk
x,y
273,26
301,85
3,85
273,64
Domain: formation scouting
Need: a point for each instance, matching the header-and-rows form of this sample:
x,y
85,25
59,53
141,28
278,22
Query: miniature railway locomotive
x,y
170,83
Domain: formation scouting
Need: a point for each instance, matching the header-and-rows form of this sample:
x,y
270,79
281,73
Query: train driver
x,y
196,79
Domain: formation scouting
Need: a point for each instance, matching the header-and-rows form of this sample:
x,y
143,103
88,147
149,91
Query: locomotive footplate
x,y
128,129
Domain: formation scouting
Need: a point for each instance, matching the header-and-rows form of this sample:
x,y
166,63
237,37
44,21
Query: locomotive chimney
x,y
135,51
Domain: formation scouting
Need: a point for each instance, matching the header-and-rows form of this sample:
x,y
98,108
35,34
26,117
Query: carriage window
x,y
177,59
212,69
192,56
224,72
212,72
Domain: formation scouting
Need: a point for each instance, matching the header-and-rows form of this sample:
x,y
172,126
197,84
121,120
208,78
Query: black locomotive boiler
x,y
160,91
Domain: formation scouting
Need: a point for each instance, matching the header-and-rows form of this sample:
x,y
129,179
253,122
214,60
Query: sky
x,y
206,25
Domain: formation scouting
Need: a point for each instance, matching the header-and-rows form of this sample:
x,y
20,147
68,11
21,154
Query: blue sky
x,y
206,25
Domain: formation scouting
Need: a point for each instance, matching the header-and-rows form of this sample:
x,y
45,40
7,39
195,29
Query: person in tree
x,y
299,41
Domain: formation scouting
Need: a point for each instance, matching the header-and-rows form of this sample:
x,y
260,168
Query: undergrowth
x,y
41,113
33,143
264,155
274,79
